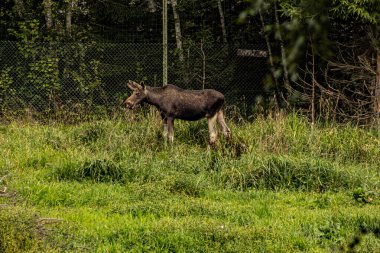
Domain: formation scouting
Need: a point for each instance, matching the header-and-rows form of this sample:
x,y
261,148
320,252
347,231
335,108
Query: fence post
x,y
165,42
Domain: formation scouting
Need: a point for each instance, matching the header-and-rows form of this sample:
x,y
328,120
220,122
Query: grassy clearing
x,y
114,186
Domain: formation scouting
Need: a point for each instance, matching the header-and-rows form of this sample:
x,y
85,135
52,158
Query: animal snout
x,y
129,104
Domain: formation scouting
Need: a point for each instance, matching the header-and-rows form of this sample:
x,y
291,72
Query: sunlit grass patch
x,y
21,230
96,171
293,173
280,185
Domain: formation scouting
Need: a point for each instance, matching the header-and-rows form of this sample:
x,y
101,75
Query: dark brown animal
x,y
175,103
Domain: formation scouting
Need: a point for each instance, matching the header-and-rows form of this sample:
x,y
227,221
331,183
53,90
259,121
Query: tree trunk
x,y
283,53
177,25
69,15
203,66
20,8
271,62
377,85
314,82
48,13
222,23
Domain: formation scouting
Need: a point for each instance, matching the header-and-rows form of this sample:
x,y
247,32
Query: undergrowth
x,y
279,184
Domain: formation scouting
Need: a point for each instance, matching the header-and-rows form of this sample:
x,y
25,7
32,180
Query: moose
x,y
173,102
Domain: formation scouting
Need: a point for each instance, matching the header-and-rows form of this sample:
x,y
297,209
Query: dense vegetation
x,y
108,182
112,185
321,56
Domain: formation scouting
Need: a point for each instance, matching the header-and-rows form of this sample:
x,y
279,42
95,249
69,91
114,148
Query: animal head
x,y
138,95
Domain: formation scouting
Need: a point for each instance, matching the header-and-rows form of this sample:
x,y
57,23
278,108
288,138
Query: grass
x,y
114,186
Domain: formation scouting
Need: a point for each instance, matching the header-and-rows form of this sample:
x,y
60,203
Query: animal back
x,y
194,104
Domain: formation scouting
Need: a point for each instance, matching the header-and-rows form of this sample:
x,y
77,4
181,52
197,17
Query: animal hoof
x,y
212,145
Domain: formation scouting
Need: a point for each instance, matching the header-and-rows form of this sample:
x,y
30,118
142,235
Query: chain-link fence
x,y
52,79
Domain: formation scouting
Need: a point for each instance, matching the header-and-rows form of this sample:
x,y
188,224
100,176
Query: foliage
x,y
303,36
327,50
362,10
6,82
365,196
19,230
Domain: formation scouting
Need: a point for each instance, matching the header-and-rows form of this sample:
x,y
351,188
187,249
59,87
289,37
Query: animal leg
x,y
165,124
226,131
170,125
212,129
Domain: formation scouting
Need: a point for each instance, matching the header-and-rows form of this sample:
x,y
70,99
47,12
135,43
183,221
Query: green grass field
x,y
113,185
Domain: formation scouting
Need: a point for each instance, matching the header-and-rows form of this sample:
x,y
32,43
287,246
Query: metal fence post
x,y
165,42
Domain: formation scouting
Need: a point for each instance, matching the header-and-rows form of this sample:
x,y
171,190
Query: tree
x,y
70,4
222,21
48,13
310,36
177,25
367,12
19,7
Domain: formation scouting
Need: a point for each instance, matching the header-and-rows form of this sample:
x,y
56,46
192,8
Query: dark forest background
x,y
74,57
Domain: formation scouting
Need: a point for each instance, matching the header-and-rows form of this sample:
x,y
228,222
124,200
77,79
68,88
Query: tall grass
x,y
280,185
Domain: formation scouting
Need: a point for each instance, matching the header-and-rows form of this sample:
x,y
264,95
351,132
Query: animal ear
x,y
131,86
138,86
142,84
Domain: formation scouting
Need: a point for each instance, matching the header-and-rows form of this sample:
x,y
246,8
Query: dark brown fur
x,y
175,103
